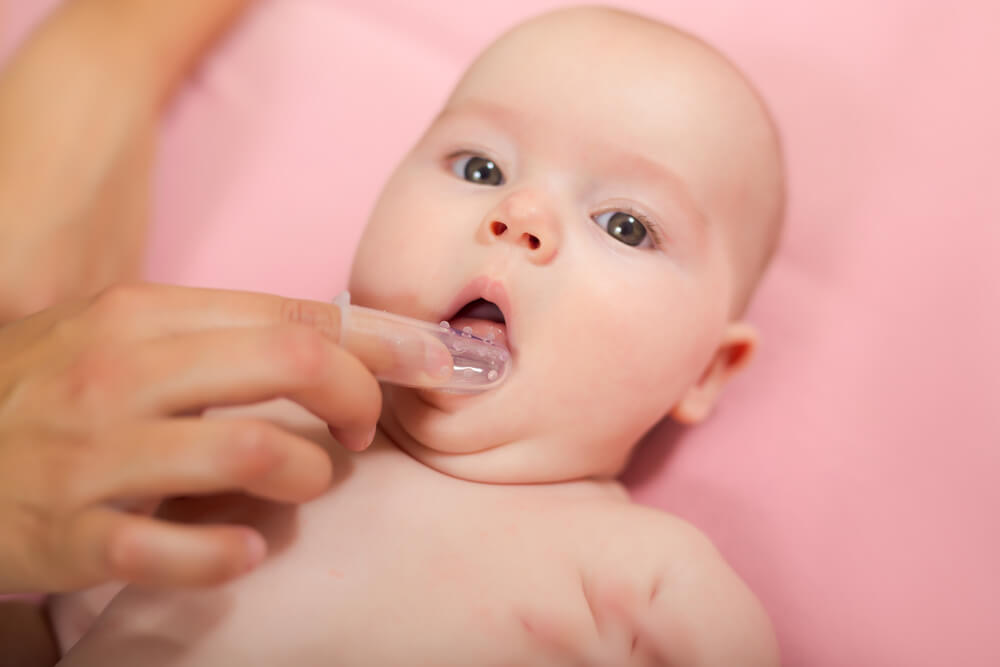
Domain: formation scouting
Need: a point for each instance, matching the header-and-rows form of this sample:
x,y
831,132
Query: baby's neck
x,y
587,487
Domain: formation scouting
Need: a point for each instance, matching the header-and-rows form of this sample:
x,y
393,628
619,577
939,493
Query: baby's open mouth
x,y
482,319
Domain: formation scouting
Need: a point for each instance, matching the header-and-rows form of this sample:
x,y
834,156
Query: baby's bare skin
x,y
401,565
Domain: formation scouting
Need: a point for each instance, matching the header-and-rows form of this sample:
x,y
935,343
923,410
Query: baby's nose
x,y
523,220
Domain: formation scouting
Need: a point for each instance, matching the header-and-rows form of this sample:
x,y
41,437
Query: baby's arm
x,y
701,614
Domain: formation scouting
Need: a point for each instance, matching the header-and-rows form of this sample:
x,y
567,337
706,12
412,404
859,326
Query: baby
x,y
604,191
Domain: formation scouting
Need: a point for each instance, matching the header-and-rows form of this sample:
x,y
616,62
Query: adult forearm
x,y
81,87
79,106
163,39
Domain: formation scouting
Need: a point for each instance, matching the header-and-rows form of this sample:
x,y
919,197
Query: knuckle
x,y
96,378
251,451
304,351
250,433
65,471
118,301
21,303
311,314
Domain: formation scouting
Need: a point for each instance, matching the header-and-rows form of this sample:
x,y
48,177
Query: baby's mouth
x,y
483,319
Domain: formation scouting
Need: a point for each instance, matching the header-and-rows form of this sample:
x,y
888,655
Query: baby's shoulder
x,y
663,578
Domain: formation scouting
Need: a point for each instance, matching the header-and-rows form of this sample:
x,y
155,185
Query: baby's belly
x,y
396,565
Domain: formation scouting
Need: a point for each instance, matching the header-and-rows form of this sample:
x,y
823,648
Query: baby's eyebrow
x,y
613,158
657,174
669,196
497,114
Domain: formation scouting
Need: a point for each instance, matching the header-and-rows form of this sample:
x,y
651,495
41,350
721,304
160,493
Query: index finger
x,y
151,311
148,310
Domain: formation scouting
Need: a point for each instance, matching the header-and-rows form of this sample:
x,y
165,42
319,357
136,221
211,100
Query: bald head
x,y
613,185
671,91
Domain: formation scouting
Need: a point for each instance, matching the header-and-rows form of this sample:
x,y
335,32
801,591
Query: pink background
x,y
851,476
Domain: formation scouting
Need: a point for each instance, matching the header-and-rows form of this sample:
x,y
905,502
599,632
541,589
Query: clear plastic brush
x,y
405,348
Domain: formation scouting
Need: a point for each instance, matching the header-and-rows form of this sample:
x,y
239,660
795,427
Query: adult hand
x,y
99,404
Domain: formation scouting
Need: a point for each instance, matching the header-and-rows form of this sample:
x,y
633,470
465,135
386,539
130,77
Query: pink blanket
x,y
851,476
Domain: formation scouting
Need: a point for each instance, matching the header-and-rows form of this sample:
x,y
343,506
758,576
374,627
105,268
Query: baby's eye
x,y
623,226
477,169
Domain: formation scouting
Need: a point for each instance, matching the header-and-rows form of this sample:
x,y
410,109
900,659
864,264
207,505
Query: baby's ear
x,y
739,343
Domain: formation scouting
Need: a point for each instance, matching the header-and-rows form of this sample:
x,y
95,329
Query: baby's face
x,y
586,177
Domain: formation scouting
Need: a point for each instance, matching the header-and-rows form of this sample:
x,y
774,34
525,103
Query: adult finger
x,y
393,351
148,311
183,374
172,457
109,544
145,310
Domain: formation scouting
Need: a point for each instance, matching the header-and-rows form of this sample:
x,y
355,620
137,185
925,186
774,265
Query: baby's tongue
x,y
485,329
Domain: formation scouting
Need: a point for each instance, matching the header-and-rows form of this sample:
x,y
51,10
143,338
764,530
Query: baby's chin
x,y
468,437
445,423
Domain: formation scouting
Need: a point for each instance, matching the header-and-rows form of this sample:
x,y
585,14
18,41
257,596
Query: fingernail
x,y
438,361
369,438
353,441
256,550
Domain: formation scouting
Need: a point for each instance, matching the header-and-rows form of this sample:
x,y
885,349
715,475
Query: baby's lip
x,y
490,289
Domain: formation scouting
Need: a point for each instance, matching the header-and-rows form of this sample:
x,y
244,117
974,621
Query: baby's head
x,y
615,187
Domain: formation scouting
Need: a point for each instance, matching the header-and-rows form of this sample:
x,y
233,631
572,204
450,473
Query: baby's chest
x,y
484,587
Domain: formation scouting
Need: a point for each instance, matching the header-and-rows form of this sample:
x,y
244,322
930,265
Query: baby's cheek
x,y
396,253
652,352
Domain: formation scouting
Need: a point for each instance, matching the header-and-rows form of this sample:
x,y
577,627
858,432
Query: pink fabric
x,y
850,477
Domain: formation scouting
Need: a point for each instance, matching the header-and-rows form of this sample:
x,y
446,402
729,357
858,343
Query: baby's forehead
x,y
640,79
660,95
